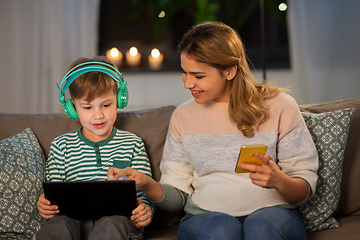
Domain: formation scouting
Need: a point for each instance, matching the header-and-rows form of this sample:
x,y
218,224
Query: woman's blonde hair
x,y
220,46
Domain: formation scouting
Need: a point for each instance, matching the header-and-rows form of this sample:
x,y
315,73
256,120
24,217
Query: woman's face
x,y
204,81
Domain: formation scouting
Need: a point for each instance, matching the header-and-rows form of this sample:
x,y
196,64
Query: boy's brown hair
x,y
92,84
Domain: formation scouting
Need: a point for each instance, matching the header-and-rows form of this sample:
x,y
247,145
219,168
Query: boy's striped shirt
x,y
73,157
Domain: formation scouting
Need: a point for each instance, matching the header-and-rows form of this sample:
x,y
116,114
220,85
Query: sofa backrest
x,y
150,124
349,203
45,126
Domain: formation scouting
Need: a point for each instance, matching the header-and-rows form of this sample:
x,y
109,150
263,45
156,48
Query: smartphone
x,y
247,155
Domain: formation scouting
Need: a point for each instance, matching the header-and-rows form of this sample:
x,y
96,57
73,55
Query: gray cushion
x,y
349,203
22,165
329,132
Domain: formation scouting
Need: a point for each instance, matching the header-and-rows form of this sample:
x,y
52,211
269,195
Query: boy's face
x,y
98,116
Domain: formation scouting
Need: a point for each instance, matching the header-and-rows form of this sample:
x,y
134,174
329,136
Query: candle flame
x,y
114,52
133,51
155,53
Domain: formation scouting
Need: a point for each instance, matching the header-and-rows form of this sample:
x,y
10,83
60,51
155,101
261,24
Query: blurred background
x,y
309,46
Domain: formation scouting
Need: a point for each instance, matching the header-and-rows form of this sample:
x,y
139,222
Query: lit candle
x,y
115,56
133,57
155,59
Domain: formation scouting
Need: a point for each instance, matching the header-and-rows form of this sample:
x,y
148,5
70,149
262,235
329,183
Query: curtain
x,y
39,40
324,38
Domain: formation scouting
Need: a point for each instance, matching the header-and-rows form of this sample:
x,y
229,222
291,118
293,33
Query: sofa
x,y
151,125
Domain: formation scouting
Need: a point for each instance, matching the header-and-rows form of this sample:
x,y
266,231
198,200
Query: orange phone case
x,y
246,155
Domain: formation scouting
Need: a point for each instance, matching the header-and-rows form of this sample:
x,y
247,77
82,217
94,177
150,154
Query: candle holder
x,y
115,56
133,57
155,59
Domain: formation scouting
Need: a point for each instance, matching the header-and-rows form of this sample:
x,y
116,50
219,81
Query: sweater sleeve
x,y
175,166
173,199
296,152
177,173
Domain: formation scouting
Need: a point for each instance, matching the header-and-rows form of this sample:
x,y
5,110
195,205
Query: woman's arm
x,y
166,196
294,174
146,184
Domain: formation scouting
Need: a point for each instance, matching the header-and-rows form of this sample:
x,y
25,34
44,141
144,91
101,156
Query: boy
x,y
87,153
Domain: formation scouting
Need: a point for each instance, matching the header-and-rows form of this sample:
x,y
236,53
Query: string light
x,y
282,7
161,14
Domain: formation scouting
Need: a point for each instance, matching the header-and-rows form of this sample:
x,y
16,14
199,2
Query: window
x,y
149,24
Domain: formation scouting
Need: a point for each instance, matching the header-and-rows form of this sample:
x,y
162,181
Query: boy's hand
x,y
141,215
46,210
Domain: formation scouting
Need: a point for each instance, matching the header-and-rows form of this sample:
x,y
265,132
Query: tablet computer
x,y
91,200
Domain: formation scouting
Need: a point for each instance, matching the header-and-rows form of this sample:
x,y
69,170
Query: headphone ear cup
x,y
70,109
123,95
122,98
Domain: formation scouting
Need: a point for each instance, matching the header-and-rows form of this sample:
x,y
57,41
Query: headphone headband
x,y
89,67
76,71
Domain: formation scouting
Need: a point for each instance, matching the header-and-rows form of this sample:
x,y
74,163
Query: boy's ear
x,y
231,72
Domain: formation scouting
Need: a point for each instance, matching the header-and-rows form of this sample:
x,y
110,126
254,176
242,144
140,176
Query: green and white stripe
x,y
72,157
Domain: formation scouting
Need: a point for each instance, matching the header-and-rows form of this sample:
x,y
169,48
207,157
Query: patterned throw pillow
x,y
329,132
22,170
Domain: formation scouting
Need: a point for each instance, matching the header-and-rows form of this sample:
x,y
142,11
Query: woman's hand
x,y
129,173
268,175
146,184
46,210
141,215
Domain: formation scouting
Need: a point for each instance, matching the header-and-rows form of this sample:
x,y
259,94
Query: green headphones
x,y
122,95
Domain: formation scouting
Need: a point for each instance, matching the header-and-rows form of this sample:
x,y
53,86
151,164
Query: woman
x,y
229,110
